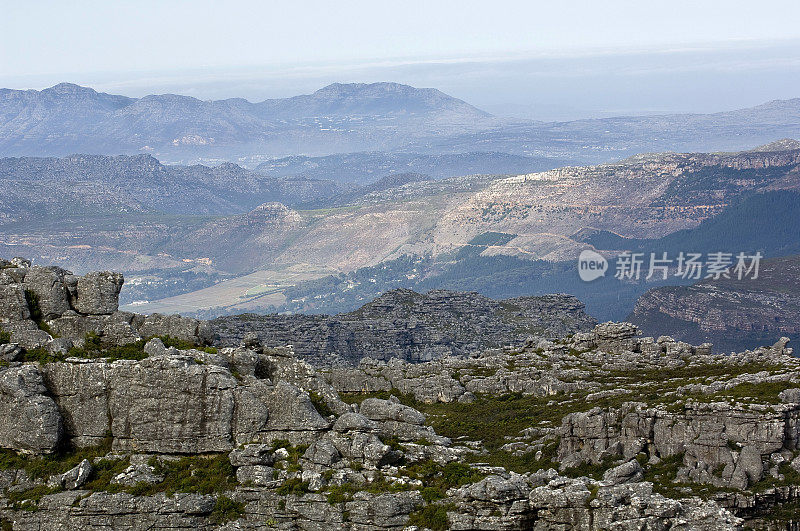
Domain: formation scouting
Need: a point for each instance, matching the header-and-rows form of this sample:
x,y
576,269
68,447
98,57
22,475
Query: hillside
x,y
296,234
731,313
364,168
55,188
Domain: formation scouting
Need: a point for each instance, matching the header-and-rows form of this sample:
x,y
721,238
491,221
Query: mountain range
x,y
388,118
239,240
68,118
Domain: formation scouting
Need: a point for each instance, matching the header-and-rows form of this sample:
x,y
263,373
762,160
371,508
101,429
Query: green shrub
x,y
590,470
36,311
28,500
294,486
341,493
40,356
194,474
58,463
226,510
103,471
5,525
320,404
431,494
432,517
182,344
438,479
5,337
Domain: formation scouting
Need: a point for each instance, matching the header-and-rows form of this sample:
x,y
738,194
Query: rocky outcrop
x,y
604,429
412,326
729,313
40,304
31,422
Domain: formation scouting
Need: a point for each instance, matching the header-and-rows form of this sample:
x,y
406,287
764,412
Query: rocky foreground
x,y
139,423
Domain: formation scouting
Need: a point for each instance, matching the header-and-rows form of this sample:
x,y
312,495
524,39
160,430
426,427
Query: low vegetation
x,y
96,348
226,510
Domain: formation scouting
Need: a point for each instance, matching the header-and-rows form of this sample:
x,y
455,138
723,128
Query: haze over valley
x,y
449,197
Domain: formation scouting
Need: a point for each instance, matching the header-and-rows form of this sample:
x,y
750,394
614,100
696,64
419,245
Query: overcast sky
x,y
539,59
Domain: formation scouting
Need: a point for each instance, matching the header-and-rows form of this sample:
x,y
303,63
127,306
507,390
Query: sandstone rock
x,y
386,511
252,454
749,468
137,474
322,452
355,422
411,326
496,489
48,284
73,479
9,352
13,305
59,345
381,410
98,293
257,475
790,396
176,326
292,410
31,422
630,472
365,447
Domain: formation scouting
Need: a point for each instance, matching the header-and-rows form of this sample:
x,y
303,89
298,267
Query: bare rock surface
x,y
603,429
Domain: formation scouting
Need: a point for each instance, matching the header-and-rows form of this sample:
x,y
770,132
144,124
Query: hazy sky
x,y
541,59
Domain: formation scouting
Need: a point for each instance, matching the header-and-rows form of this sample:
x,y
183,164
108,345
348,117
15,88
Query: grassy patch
x,y
226,510
62,461
95,348
5,337
438,479
432,517
28,500
357,398
594,471
319,404
765,392
783,513
294,486
520,463
193,474
182,344
103,472
790,477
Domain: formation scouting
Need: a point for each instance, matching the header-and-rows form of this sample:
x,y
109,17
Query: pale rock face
x,y
73,479
13,305
31,422
48,283
137,474
98,293
382,410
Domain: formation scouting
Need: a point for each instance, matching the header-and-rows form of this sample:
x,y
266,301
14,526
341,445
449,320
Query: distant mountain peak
x,y
784,144
69,88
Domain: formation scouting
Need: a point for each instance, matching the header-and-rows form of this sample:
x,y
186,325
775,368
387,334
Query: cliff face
x,y
411,326
728,313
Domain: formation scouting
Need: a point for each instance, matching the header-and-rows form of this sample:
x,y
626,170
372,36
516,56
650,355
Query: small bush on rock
x,y
226,510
